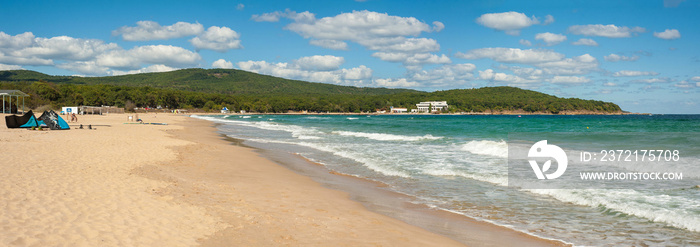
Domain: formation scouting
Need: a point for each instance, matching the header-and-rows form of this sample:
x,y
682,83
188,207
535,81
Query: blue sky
x,y
642,55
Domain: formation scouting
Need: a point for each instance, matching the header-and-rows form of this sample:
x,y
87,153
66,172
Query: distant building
x,y
432,106
398,110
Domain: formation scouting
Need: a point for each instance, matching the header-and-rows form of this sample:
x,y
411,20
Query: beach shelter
x,y
53,120
25,121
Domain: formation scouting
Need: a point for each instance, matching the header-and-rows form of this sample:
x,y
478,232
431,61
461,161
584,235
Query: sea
x,y
459,163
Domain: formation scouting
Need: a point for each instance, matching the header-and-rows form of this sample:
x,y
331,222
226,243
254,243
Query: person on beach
x,y
73,118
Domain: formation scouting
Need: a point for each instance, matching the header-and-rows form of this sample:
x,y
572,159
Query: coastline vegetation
x,y
212,89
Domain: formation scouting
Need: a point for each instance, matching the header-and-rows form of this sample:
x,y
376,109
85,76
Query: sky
x,y
642,55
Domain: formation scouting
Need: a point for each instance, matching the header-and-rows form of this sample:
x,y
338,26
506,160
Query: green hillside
x,y
225,81
240,90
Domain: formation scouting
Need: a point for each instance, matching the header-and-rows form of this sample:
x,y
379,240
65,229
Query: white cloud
x,y
695,78
16,42
548,19
412,59
513,55
438,26
616,58
26,49
509,22
219,39
330,44
314,68
697,84
633,73
392,37
569,80
610,31
653,80
9,67
401,82
151,30
319,63
240,6
84,67
668,34
550,38
525,42
524,72
223,64
609,84
588,42
490,75
443,76
570,66
150,69
152,54
305,16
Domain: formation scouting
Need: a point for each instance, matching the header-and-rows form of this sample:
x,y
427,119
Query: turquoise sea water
x,y
459,164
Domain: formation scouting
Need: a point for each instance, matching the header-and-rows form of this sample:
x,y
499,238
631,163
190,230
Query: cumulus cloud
x,y
319,63
9,67
222,64
26,49
445,75
498,77
653,80
548,19
240,6
616,58
393,37
150,69
393,83
314,68
569,80
513,55
525,42
305,16
550,38
330,44
633,73
134,58
609,31
219,39
588,42
668,34
509,22
151,30
570,66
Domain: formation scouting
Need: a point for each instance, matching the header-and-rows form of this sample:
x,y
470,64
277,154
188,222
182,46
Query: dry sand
x,y
174,185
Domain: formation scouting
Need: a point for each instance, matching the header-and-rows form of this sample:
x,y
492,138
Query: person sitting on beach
x,y
73,118
139,120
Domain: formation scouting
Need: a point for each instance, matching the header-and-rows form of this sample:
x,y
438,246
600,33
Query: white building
x,y
398,110
432,106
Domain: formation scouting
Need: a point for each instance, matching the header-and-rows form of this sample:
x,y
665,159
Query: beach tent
x,y
25,121
54,121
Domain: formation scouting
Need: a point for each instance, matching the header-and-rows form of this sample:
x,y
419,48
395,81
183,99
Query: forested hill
x,y
239,90
225,81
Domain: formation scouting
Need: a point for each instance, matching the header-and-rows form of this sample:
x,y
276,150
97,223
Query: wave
x,y
352,118
486,147
386,137
631,202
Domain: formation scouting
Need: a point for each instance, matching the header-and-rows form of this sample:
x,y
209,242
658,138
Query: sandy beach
x,y
182,184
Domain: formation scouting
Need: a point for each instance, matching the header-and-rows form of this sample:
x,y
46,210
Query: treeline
x,y
460,100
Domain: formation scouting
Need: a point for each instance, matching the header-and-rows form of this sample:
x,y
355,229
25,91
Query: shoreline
x,y
374,196
183,184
